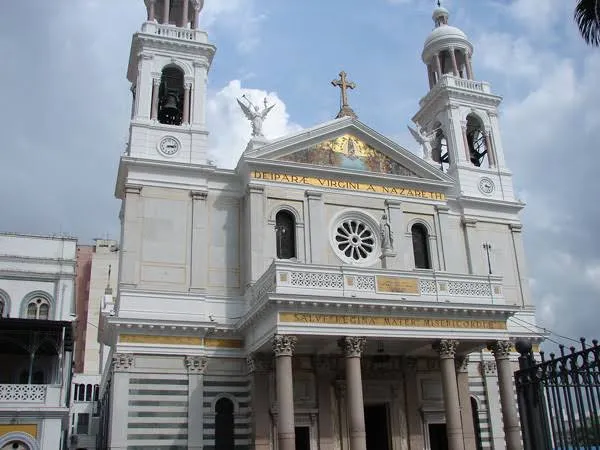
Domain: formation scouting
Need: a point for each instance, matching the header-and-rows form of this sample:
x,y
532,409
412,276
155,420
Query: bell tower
x,y
459,115
168,67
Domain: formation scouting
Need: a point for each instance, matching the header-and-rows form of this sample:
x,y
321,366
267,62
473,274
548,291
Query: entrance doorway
x,y
437,436
376,427
302,438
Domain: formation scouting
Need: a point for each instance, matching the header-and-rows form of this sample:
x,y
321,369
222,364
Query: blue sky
x,y
66,104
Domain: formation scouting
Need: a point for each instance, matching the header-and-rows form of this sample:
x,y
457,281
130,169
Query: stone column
x,y
438,66
490,149
447,349
151,10
154,104
342,411
462,380
117,433
353,347
470,67
196,5
415,424
466,143
398,422
199,255
490,380
283,348
430,76
166,9
185,13
317,229
186,102
454,65
512,436
259,368
323,369
196,368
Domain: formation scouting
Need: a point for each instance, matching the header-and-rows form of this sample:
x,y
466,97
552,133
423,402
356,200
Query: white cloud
x,y
509,55
592,274
230,129
238,17
538,15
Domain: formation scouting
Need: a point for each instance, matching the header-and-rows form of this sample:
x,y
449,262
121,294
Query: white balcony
x,y
24,396
373,284
451,81
174,32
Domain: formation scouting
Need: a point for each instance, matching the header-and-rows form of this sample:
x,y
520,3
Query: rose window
x,y
354,239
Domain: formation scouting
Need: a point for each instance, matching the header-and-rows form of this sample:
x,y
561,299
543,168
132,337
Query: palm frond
x,y
587,16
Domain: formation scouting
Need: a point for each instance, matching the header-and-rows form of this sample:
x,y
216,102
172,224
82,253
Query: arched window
x,y
420,239
88,393
96,392
224,425
476,140
439,148
2,308
476,424
38,308
285,235
171,96
81,393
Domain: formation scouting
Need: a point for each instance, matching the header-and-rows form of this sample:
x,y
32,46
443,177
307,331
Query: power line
x,y
546,330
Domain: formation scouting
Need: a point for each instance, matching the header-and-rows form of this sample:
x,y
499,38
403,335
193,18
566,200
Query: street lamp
x,y
487,247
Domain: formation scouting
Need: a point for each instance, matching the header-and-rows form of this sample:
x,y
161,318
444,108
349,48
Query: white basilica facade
x,y
334,291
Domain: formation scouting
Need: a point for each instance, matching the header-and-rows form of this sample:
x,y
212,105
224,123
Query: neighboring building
x,y
328,292
97,272
37,275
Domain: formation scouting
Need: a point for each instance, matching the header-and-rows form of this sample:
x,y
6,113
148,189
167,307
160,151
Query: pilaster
x,y
416,439
442,224
259,369
129,265
255,220
196,368
144,85
519,255
199,244
316,227
198,112
121,364
490,381
471,244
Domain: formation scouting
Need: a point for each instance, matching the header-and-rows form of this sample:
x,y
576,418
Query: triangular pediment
x,y
345,145
351,153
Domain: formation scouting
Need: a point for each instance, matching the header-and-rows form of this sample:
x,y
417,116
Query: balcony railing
x,y
460,83
171,31
418,285
27,393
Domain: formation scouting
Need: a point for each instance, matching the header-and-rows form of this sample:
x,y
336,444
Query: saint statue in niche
x,y
387,236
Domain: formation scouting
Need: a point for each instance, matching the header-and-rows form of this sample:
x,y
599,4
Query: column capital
x,y
258,362
462,363
145,56
197,5
132,189
313,195
122,362
156,80
255,189
199,195
446,348
468,222
196,364
393,204
488,368
515,227
353,346
442,209
500,349
284,345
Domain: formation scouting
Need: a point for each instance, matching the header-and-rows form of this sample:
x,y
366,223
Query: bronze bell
x,y
170,106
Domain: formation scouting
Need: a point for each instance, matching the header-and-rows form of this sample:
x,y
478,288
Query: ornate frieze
x,y
353,346
196,364
122,362
500,349
446,348
284,345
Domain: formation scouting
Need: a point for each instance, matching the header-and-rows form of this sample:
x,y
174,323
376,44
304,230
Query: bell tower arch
x,y
460,115
168,69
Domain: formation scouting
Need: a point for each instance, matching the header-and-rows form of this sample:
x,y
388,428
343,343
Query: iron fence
x,y
559,398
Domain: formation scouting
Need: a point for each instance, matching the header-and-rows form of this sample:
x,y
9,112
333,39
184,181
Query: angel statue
x,y
424,140
255,115
387,236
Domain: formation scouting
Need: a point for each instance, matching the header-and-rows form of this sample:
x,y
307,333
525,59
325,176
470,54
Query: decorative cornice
x,y
446,348
500,349
196,364
352,346
259,363
122,362
284,345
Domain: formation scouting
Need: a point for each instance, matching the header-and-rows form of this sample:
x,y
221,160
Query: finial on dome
x,y
440,15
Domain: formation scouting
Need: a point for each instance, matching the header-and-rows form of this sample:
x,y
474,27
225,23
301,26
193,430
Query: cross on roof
x,y
344,85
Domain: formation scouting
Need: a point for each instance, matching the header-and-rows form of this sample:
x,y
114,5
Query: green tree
x,y
587,16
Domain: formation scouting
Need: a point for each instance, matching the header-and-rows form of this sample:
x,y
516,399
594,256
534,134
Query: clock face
x,y
486,185
168,146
